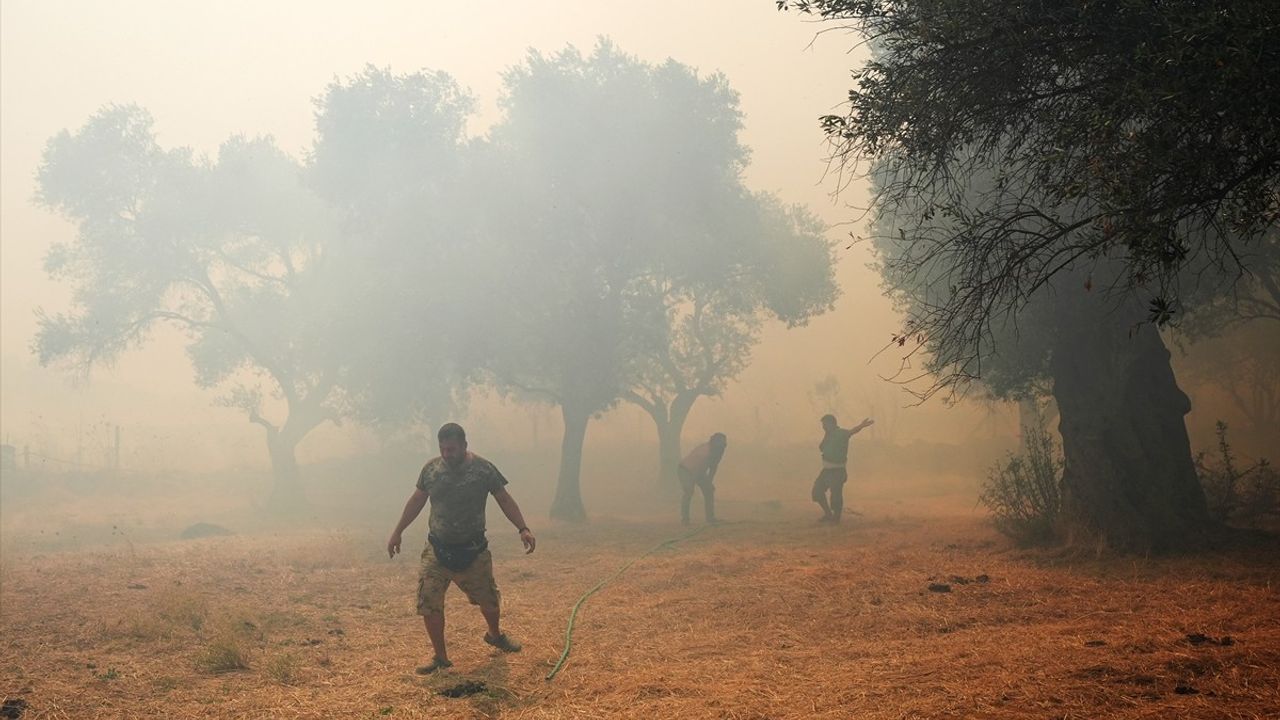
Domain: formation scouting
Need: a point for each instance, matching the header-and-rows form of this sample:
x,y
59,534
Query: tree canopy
x,y
767,261
1139,131
613,173
637,265
391,156
597,245
234,251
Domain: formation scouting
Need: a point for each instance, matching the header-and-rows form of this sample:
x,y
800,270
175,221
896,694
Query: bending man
x,y
699,468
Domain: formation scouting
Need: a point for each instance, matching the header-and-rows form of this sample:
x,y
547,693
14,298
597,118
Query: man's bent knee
x,y
431,608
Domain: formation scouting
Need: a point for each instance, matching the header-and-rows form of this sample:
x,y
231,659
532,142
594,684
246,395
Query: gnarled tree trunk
x,y
288,496
567,504
670,422
1129,481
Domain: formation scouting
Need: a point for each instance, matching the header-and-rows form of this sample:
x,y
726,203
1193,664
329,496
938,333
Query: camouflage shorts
x,y
476,581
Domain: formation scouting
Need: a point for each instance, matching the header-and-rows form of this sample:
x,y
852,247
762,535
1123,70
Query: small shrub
x,y
1024,492
1247,498
183,607
169,614
283,668
139,624
225,652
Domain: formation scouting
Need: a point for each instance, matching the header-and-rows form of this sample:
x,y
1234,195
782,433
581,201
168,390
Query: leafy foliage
x,y
1024,492
633,262
1136,132
595,243
391,156
598,244
385,141
1248,497
772,261
231,251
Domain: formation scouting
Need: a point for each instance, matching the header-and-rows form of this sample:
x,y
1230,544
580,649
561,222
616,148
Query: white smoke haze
x,y
253,255
207,74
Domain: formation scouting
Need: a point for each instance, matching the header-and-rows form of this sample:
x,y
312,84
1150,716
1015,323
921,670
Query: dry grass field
x,y
771,617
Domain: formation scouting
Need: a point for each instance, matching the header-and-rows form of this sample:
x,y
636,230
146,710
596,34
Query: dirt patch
x,y
465,688
13,708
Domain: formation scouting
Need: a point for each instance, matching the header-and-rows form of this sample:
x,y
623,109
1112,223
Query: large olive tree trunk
x,y
1129,482
287,494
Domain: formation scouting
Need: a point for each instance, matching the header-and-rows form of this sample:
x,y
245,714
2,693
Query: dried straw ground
x,y
772,618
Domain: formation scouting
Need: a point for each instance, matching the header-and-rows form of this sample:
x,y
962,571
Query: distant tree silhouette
x,y
234,251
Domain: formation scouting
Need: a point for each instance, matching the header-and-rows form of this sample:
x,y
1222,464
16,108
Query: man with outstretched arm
x,y
835,455
458,484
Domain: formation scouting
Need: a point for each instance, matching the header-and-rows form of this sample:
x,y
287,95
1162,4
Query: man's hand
x,y
867,422
412,507
526,537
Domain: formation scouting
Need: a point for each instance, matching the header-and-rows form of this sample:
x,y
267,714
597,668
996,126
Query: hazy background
x,y
208,71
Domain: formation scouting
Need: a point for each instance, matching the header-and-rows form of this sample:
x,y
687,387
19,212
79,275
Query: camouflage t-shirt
x,y
458,496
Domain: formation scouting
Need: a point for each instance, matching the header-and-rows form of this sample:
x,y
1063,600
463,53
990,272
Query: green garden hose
x,y
573,614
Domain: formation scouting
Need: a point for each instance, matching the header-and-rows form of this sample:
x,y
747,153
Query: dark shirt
x,y
835,446
458,496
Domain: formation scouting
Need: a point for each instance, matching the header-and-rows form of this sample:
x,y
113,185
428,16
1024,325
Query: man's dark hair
x,y
718,444
451,431
828,419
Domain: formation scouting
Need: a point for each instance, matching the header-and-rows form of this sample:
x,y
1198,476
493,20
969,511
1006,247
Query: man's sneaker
x,y
503,642
436,664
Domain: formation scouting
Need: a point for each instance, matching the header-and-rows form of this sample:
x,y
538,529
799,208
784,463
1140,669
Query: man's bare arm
x,y
412,508
868,422
512,511
711,471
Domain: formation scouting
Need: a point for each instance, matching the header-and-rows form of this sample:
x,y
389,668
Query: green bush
x,y
1245,498
283,668
225,652
1024,491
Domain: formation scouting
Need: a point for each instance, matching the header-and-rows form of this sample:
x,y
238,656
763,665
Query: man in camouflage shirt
x,y
458,484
